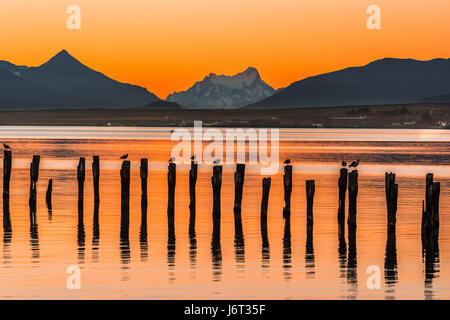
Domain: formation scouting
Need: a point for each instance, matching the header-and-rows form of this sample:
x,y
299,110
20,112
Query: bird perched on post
x,y
287,161
344,164
6,146
354,164
171,160
217,161
124,156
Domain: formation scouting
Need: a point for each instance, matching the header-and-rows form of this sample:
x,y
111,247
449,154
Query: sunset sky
x,y
167,45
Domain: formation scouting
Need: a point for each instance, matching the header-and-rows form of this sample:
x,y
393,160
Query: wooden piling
x,y
48,197
7,166
144,195
391,199
430,208
171,181
266,182
239,176
216,182
352,196
96,177
34,175
192,200
80,178
342,183
287,182
310,190
125,199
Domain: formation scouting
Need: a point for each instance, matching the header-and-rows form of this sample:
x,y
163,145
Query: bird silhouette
x,y
124,156
171,160
354,164
344,164
193,157
6,146
217,161
287,161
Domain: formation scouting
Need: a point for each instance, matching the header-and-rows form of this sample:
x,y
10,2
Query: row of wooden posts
x,y
348,181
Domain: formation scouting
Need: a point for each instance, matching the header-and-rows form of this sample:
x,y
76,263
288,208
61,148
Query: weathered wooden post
x,y
342,183
96,177
48,197
310,190
144,206
287,181
125,199
80,177
216,181
430,226
144,196
342,247
216,249
171,181
7,166
391,199
96,224
266,182
192,202
34,175
239,176
352,196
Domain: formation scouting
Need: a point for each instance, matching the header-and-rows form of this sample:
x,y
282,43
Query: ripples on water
x,y
282,260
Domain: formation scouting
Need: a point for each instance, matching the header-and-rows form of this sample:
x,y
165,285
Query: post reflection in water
x,y
95,232
171,250
430,249
309,254
7,229
192,244
352,272
239,246
390,264
287,259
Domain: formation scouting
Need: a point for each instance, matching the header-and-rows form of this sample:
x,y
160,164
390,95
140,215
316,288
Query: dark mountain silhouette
x,y
163,105
63,81
385,81
221,91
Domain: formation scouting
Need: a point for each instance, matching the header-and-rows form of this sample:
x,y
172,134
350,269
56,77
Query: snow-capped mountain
x,y
221,91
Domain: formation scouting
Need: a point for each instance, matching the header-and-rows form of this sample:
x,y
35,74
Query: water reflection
x,y
143,241
390,264
239,245
430,249
171,251
216,254
7,229
352,274
95,232
287,261
309,254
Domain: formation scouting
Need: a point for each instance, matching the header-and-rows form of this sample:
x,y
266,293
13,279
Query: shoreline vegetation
x,y
407,116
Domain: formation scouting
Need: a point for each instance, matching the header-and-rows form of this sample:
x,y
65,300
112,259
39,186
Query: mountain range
x,y
64,82
385,81
221,91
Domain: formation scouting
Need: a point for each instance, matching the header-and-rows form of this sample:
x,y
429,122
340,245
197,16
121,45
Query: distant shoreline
x,y
407,116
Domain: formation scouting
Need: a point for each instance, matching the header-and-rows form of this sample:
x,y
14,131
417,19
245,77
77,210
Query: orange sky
x,y
167,45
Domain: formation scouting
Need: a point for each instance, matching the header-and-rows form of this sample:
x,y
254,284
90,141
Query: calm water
x,y
33,264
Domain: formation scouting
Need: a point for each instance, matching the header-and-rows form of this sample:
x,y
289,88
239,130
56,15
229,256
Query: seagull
x,y
124,156
193,157
171,159
354,164
217,161
344,164
287,161
6,146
